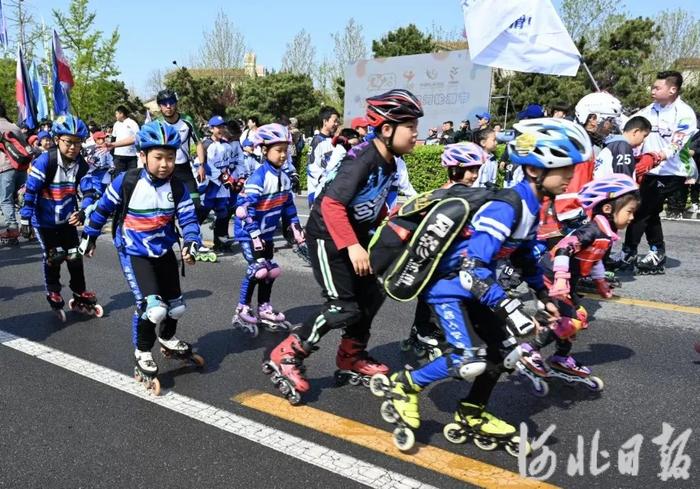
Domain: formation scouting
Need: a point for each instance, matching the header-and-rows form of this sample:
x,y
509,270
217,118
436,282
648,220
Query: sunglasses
x,y
168,103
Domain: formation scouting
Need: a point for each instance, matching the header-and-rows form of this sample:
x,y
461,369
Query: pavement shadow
x,y
20,254
38,326
10,293
600,353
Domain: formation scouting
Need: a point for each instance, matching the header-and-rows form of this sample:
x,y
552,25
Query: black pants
x,y
183,173
61,241
654,191
124,163
351,301
152,276
423,319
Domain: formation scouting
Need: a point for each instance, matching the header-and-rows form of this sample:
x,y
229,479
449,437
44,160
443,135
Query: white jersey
x,y
671,128
318,161
221,161
402,181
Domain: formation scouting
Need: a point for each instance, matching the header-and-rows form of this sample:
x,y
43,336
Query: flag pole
x,y
590,75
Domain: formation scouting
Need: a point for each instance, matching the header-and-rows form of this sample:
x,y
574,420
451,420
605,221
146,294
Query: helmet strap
x,y
389,142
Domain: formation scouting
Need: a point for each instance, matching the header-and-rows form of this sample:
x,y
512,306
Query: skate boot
x,y
400,407
177,349
9,237
223,245
145,371
56,302
205,254
422,345
286,368
354,364
86,303
532,367
273,321
653,263
569,370
486,430
624,260
245,320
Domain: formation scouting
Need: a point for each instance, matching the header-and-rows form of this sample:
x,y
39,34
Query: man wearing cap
x,y
124,133
532,111
44,140
484,121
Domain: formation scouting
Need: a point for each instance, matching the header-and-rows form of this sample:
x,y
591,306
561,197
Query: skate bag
x,y
17,150
407,247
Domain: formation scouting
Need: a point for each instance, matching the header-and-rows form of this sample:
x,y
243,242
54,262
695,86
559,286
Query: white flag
x,y
520,35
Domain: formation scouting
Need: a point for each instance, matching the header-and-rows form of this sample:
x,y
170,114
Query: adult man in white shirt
x,y
124,133
673,122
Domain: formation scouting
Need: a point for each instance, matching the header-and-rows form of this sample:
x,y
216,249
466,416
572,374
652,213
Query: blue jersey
x,y
148,227
50,204
267,197
495,233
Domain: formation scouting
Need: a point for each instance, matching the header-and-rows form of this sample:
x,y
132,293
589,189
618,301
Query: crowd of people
x,y
546,213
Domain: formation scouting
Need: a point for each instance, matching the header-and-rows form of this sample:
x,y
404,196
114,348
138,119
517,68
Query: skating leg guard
x,y
176,308
154,309
73,255
55,256
273,270
466,364
257,271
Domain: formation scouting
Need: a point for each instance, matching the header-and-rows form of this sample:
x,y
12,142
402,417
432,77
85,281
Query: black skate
x,y
56,302
177,349
653,263
424,345
86,303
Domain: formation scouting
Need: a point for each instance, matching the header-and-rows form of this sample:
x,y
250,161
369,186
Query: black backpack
x,y
407,247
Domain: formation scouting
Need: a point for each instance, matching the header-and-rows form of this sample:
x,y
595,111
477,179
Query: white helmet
x,y
603,105
549,143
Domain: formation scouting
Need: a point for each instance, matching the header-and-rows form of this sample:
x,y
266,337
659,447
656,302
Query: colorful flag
x,y
42,107
4,41
62,78
26,111
520,35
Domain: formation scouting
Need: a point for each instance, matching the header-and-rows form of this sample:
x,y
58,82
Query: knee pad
x,y
342,315
273,270
154,309
467,364
73,255
176,308
55,256
257,271
242,212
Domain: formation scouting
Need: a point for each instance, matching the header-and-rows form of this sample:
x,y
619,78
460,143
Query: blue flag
x,y
42,106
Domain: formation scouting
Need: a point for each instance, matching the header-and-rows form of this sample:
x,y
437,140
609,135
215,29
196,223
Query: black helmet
x,y
393,106
166,95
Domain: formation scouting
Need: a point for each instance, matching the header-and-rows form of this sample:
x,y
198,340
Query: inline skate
x,y
205,254
9,237
423,345
245,320
273,321
176,349
286,368
86,303
400,406
146,370
355,366
486,430
56,302
653,263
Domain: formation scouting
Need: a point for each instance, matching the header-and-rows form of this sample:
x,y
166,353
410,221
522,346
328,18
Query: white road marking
x,y
336,462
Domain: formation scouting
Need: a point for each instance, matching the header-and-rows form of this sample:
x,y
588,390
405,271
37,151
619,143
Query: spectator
x,y
432,136
448,133
251,129
320,150
464,133
44,141
694,187
560,110
360,125
532,111
298,142
488,172
124,134
484,121
10,182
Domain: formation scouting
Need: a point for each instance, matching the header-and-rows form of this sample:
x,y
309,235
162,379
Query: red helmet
x,y
393,106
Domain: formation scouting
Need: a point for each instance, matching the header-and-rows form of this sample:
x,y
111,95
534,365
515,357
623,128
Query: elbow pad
x,y
470,281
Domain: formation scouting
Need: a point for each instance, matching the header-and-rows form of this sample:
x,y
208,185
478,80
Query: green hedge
x,y
424,169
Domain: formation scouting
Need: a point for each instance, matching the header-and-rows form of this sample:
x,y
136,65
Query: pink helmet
x,y
270,134
463,155
606,188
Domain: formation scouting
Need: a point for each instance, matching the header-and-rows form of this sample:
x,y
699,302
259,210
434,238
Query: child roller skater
x,y
146,202
465,295
51,208
462,162
611,201
266,199
350,205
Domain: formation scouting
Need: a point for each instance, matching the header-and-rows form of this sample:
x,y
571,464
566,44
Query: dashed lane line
x,y
428,457
331,460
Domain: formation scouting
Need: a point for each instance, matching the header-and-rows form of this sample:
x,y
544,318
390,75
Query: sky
x,y
156,32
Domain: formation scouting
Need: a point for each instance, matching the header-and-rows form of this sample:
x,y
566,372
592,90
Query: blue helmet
x,y
69,125
550,143
157,134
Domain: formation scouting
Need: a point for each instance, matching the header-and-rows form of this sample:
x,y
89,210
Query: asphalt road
x,y
59,428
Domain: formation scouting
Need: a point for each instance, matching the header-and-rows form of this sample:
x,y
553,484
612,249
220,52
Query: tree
x,y
155,82
403,41
91,56
22,26
278,94
679,38
349,46
8,67
300,57
200,97
223,48
585,19
103,96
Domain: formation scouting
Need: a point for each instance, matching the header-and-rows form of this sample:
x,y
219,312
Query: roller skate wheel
x,y
71,304
294,398
540,388
267,368
485,443
404,439
379,384
284,388
388,412
198,360
405,345
61,315
419,351
454,433
154,387
99,311
598,384
365,380
354,380
513,447
434,353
